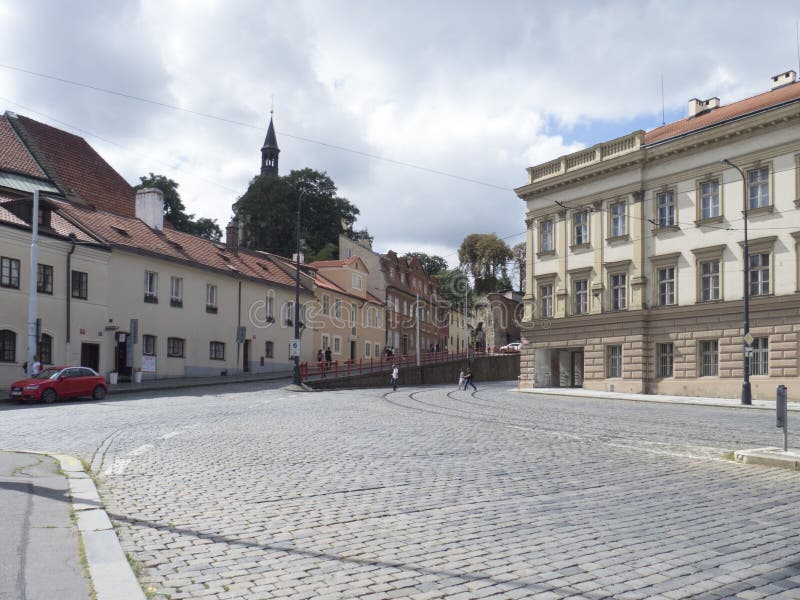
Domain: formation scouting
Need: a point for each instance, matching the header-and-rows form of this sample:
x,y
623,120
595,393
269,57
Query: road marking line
x,y
117,466
141,450
171,434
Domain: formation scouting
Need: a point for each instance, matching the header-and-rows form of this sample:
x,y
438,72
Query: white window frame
x,y
758,188
580,228
546,292
149,345
211,295
151,284
710,280
618,213
709,194
618,285
760,280
176,288
665,280
580,291
337,344
547,236
665,208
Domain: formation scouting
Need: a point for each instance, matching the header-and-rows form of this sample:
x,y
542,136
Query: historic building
x,y
118,289
497,316
635,255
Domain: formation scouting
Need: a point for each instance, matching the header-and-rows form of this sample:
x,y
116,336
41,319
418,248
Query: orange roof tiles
x,y
323,264
787,93
14,156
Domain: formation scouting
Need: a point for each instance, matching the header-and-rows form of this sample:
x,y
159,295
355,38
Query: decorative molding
x,y
662,260
709,221
617,265
709,251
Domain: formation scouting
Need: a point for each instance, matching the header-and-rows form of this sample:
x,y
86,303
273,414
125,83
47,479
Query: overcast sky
x,y
477,90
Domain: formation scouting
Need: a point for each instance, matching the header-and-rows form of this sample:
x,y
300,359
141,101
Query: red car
x,y
54,383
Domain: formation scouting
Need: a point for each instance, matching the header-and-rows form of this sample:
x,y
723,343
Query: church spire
x,y
270,151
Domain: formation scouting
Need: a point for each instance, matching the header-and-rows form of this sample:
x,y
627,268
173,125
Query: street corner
x,y
771,457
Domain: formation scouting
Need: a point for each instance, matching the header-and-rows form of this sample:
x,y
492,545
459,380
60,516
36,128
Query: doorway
x,y
246,356
123,362
576,368
352,350
90,356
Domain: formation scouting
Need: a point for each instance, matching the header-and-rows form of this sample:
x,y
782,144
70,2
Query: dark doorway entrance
x,y
90,356
576,368
122,362
246,356
352,349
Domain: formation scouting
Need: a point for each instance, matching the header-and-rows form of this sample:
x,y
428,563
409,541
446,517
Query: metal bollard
x,y
782,414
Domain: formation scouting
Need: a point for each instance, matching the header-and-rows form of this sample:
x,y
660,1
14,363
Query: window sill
x,y
717,301
176,303
50,293
212,358
617,239
708,221
212,310
761,210
756,296
578,247
665,229
151,299
80,297
175,356
545,253
10,287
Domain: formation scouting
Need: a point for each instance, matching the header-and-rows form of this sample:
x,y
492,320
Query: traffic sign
x,y
748,339
294,348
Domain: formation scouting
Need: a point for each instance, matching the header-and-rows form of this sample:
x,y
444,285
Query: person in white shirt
x,y
36,366
395,376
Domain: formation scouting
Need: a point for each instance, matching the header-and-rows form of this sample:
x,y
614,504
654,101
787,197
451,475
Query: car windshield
x,y
47,373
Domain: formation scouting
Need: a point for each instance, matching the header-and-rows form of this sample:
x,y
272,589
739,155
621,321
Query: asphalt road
x,y
430,492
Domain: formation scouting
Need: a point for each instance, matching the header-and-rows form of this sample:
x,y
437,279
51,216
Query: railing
x,y
317,371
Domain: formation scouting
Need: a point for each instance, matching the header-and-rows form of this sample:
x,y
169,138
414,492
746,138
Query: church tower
x,y
270,151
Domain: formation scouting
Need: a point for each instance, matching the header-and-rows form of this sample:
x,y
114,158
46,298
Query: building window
x,y
8,346
269,349
709,280
80,285
150,286
211,298
288,313
326,304
666,208
546,242
618,219
44,349
759,274
9,272
619,291
580,227
377,350
353,315
270,307
614,361
709,358
358,281
337,308
175,347
44,279
326,343
149,345
758,188
337,344
665,356
367,350
546,301
580,289
666,286
176,291
709,199
759,356
217,351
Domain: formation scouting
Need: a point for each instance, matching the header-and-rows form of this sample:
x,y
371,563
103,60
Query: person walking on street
x,y
395,377
36,366
328,356
461,379
468,380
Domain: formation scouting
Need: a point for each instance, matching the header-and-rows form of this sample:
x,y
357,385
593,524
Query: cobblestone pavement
x,y
244,492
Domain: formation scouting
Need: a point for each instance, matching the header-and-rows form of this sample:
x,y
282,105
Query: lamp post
x,y
296,377
746,392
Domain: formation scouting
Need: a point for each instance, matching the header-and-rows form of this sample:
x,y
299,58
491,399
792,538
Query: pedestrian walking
x,y
395,377
461,379
468,380
36,366
328,356
320,356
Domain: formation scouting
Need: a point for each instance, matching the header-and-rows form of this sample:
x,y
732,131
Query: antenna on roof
x,y
663,120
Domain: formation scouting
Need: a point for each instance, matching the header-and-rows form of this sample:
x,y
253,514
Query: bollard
x,y
782,414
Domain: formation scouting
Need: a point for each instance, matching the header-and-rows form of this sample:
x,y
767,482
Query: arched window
x,y
8,346
45,350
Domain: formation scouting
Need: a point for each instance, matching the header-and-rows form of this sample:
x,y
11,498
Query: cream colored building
x,y
635,255
346,318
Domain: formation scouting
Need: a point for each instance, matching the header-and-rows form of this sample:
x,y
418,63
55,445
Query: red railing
x,y
315,371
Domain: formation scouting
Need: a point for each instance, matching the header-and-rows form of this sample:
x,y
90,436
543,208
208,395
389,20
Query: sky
x,y
425,114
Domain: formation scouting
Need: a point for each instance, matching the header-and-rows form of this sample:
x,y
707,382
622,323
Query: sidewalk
x,y
773,457
54,530
149,385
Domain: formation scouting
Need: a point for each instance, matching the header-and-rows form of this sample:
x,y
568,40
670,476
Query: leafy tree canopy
x,y
454,287
267,212
486,257
432,263
175,211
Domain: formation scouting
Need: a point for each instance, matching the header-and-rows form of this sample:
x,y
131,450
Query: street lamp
x,y
296,377
746,392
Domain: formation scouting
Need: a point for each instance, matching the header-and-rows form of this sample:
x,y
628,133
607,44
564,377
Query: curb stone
x,y
109,570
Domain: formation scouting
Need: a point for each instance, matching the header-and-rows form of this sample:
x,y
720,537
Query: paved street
x,y
432,493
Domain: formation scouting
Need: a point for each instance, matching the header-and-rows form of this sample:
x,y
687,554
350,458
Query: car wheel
x,y
99,392
49,396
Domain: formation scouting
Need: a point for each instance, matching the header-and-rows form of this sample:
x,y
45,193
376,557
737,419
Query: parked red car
x,y
54,383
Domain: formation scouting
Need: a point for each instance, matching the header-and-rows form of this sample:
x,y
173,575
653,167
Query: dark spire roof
x,y
270,151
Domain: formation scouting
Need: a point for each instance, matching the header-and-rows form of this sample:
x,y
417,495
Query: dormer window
x,y
45,216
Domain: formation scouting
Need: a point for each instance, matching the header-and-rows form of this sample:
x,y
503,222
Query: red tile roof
x,y
14,156
773,98
74,166
324,264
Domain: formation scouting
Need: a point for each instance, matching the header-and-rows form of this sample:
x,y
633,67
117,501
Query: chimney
x,y
150,207
783,79
697,107
232,235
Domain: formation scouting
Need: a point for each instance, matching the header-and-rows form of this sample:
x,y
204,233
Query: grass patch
x,y
729,456
84,560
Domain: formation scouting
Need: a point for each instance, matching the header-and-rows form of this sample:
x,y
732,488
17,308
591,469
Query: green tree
x,y
485,256
267,212
175,211
432,263
453,286
518,263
